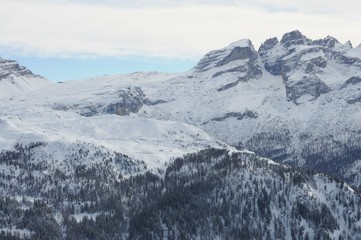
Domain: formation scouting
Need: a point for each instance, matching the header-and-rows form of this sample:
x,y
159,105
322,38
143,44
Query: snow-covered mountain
x,y
80,145
18,80
295,100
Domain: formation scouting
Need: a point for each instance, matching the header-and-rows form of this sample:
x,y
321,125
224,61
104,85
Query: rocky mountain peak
x,y
267,45
237,62
329,42
348,44
304,64
294,38
239,53
11,67
240,50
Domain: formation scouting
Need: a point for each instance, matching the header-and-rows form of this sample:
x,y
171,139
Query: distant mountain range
x,y
193,155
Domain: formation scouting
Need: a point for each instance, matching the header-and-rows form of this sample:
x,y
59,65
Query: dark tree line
x,y
205,195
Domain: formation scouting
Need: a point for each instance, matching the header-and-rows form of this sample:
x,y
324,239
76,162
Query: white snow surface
x,y
32,118
17,85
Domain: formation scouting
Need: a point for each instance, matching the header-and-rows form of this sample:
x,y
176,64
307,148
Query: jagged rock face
x,y
329,42
267,45
236,115
351,81
238,61
273,67
236,51
342,59
294,38
8,67
299,74
303,64
354,99
130,102
123,103
306,85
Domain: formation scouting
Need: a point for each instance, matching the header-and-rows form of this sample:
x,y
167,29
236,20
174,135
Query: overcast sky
x,y
165,30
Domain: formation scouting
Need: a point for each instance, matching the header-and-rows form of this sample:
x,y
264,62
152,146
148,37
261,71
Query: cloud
x,y
186,29
307,6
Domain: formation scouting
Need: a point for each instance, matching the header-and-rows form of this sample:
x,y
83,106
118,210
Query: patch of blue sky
x,y
62,69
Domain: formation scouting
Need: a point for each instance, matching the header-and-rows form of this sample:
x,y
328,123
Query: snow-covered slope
x,y
68,113
16,80
153,141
